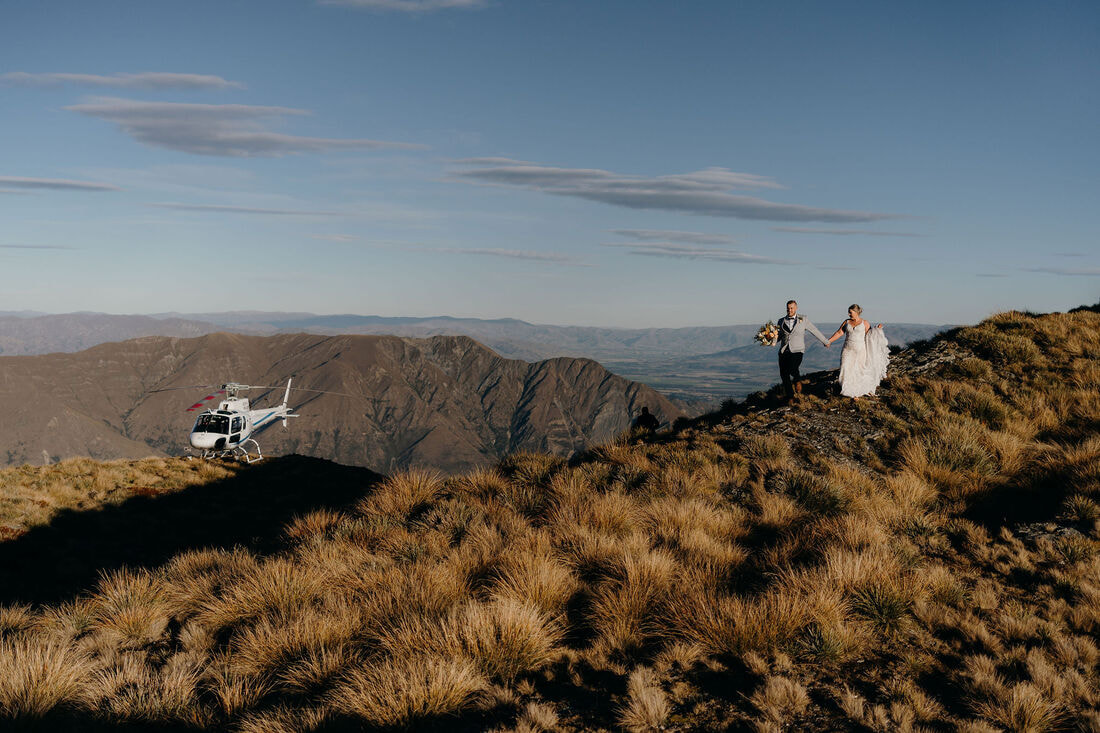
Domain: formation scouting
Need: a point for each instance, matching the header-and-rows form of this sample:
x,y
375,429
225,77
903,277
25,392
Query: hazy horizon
x,y
197,316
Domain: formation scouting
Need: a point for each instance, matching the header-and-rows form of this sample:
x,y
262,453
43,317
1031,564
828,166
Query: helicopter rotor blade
x,y
207,398
326,391
190,386
302,389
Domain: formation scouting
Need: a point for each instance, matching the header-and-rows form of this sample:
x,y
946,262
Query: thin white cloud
x,y
152,80
704,192
55,184
491,161
408,6
335,237
232,130
35,246
220,209
514,254
679,251
845,232
1070,271
671,235
552,258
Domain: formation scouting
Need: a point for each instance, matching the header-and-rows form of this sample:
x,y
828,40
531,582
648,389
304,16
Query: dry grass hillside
x,y
925,560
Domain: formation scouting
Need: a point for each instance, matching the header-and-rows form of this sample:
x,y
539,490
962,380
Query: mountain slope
x,y
699,365
446,402
925,560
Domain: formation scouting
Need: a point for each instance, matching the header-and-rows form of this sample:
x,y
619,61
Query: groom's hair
x,y
792,301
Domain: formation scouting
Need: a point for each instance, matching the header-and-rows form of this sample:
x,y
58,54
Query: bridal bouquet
x,y
768,335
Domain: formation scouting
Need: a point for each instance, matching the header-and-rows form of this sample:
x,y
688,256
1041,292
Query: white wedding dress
x,y
863,361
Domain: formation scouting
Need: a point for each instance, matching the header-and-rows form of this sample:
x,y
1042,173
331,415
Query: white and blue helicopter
x,y
227,431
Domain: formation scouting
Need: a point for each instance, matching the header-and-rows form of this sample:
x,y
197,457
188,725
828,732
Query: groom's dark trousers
x,y
789,361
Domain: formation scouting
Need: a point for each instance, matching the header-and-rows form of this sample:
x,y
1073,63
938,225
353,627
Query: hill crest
x,y
927,559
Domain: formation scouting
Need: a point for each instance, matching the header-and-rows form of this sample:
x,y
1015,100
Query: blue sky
x,y
628,163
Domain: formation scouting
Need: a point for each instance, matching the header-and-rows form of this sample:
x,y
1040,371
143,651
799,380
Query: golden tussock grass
x,y
766,453
538,717
278,586
397,692
627,606
30,496
274,643
780,698
502,638
646,707
735,625
130,689
537,578
403,494
38,675
936,569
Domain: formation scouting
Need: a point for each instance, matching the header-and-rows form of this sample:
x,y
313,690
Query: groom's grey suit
x,y
792,345
793,337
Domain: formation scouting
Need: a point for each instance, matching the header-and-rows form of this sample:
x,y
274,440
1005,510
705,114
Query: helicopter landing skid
x,y
238,452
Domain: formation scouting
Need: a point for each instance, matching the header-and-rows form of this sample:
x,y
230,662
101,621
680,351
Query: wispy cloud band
x,y
35,246
1068,271
151,80
514,254
845,232
679,251
671,235
220,209
704,192
233,130
56,184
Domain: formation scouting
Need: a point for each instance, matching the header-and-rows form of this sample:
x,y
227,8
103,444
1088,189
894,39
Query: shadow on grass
x,y
55,562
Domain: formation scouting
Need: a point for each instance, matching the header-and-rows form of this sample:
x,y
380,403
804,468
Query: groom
x,y
792,346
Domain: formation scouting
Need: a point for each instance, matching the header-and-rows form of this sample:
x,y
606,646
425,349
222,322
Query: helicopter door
x,y
238,423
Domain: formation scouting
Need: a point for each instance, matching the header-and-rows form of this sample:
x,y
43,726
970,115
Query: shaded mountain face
x,y
445,402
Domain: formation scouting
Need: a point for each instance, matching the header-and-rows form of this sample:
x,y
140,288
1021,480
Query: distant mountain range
x,y
22,335
447,402
697,365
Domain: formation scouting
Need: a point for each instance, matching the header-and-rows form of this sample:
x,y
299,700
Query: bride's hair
x,y
856,308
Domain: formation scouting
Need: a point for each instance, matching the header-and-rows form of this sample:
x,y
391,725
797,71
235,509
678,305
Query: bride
x,y
865,355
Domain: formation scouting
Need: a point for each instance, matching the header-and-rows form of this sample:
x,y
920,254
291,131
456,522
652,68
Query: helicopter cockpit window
x,y
238,423
212,424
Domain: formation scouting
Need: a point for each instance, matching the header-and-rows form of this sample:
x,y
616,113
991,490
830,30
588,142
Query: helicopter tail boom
x,y
286,398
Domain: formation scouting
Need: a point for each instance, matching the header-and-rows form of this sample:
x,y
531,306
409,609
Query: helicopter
x,y
227,431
